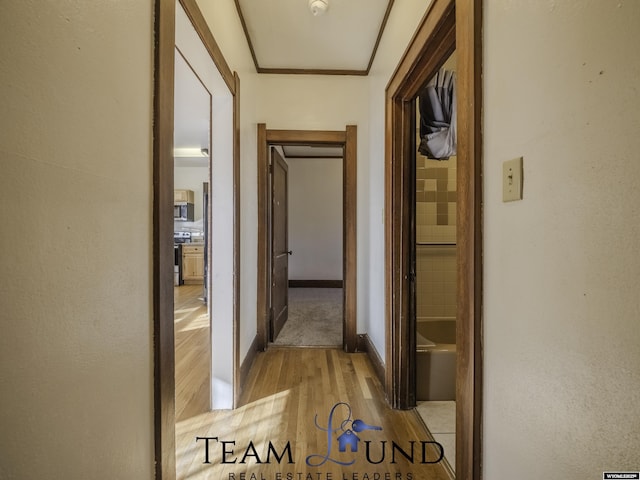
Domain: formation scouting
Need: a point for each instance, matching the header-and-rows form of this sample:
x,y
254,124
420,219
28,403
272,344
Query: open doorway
x,y
448,26
217,118
434,257
180,24
307,245
192,172
345,141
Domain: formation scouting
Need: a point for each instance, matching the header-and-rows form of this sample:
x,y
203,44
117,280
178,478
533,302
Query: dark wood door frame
x,y
347,139
448,25
163,256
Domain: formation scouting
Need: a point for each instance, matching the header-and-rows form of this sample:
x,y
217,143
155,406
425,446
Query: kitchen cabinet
x,y
193,264
183,196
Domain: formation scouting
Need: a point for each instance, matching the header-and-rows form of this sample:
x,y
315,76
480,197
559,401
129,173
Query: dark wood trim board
x,y
247,362
163,321
163,335
349,232
469,214
316,283
237,378
365,345
348,139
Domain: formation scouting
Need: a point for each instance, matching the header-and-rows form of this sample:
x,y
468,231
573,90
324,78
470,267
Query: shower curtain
x,y
438,117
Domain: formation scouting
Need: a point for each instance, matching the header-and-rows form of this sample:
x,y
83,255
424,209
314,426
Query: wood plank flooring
x,y
192,352
288,390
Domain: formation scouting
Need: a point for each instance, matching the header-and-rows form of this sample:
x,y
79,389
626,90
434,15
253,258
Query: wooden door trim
x,y
163,334
200,24
163,321
349,232
348,139
237,365
447,25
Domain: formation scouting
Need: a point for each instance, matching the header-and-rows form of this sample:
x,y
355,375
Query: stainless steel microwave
x,y
183,211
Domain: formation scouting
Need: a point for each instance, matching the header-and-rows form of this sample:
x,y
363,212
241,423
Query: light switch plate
x,y
512,180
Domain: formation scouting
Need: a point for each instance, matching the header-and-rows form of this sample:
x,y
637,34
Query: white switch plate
x,y
512,180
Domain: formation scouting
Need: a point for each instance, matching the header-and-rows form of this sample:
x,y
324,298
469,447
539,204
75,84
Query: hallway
x,y
285,391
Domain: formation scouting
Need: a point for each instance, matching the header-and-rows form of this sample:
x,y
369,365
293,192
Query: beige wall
x,y
224,22
76,373
315,218
561,267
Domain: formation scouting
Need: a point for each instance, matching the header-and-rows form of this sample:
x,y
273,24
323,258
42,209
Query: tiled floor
x,y
440,418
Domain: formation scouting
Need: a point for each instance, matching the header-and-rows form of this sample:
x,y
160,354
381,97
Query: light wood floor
x,y
286,389
192,352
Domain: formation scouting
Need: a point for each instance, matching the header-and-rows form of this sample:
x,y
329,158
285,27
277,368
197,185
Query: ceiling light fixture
x,y
318,7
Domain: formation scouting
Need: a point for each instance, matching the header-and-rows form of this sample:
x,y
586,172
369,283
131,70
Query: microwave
x,y
183,211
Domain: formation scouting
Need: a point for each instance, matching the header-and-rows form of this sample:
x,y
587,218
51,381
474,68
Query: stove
x,y
178,239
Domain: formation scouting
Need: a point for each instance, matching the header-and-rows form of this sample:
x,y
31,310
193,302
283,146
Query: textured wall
x,y
76,370
562,271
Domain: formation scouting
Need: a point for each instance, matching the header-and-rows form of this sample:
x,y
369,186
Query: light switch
x,y
512,180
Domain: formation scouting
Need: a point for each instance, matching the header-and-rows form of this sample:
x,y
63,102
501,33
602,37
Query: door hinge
x,y
271,168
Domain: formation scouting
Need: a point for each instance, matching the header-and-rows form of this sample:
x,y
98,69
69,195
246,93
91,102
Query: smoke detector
x,y
318,7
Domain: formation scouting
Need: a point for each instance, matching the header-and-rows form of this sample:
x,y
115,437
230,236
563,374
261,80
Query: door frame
x,y
163,314
348,140
448,25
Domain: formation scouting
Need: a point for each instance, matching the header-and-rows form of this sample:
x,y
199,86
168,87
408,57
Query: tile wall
x,y
436,201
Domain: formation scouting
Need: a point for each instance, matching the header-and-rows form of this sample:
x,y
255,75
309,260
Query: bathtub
x,y
436,359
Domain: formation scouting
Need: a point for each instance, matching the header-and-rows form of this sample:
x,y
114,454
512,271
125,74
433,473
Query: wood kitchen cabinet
x,y
193,264
180,196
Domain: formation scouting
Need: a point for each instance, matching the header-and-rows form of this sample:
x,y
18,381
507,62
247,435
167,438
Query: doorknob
x,y
290,252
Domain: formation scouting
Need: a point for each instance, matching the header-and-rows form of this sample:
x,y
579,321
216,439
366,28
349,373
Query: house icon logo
x,y
348,439
342,429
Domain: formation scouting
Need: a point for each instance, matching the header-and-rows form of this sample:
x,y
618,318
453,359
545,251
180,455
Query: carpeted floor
x,y
315,318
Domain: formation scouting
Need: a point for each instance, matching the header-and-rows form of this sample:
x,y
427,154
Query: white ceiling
x,y
283,34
